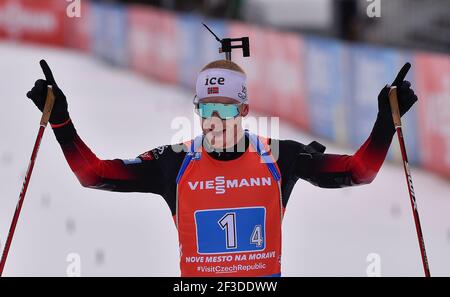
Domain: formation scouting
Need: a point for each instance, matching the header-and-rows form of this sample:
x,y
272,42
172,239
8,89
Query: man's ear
x,y
244,109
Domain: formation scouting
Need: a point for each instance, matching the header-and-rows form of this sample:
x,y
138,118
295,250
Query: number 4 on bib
x,y
257,237
230,230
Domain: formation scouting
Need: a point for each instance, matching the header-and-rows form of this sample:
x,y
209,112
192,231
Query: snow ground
x,y
120,115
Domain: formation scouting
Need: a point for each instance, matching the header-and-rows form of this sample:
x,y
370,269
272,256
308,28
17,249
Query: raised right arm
x,y
136,175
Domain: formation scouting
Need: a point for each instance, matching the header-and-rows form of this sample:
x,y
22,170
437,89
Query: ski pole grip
x,y
393,101
49,102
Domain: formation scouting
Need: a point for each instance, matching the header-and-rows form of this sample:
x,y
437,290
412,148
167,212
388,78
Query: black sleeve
x,y
286,153
310,163
337,171
151,172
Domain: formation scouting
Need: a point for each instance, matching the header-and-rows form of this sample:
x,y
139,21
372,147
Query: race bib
x,y
231,230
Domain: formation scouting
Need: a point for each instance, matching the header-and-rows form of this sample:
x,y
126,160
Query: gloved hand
x,y
38,94
405,94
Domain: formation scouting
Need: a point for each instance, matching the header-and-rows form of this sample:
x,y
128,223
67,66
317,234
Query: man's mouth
x,y
216,133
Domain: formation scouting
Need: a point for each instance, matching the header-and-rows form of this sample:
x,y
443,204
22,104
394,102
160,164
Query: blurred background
x,y
128,69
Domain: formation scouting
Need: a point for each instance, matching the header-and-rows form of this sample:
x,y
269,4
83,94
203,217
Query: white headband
x,y
218,82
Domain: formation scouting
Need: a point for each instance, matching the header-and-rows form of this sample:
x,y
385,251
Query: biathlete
x,y
227,190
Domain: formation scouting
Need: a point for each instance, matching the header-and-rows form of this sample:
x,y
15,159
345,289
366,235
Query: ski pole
x,y
393,101
50,100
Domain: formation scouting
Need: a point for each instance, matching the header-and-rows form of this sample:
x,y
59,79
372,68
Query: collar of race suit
x,y
233,154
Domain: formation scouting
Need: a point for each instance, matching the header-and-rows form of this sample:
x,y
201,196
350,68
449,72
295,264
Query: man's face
x,y
220,133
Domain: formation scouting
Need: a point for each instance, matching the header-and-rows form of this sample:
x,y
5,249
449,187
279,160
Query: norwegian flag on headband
x,y
213,90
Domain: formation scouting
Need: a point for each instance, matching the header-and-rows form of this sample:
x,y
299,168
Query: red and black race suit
x,y
233,192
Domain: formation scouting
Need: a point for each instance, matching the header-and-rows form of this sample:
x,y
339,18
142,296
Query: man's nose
x,y
215,114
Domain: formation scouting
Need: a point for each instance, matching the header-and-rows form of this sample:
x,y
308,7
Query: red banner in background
x,y
274,71
255,66
433,80
285,77
33,21
153,43
79,29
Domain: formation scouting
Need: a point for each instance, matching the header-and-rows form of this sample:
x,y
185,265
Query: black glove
x,y
38,94
405,95
406,99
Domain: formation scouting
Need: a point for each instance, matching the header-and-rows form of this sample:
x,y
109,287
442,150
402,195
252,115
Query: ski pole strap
x,y
56,126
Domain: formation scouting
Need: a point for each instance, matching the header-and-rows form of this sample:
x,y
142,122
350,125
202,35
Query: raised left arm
x,y
337,171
